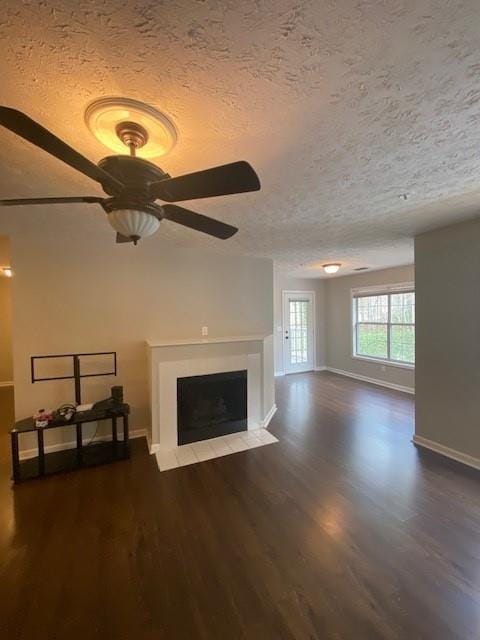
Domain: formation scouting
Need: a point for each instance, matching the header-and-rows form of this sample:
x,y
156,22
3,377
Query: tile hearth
x,y
214,448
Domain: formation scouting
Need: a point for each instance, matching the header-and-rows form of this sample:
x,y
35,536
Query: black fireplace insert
x,y
211,405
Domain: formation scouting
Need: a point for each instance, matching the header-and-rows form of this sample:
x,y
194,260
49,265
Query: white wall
x,y
339,326
75,296
283,282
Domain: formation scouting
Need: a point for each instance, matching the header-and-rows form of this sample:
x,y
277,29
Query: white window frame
x,y
378,290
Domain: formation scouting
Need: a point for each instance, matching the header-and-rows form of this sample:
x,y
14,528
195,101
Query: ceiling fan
x,y
133,184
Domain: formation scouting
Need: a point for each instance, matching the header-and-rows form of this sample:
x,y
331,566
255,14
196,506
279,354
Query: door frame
x,y
288,292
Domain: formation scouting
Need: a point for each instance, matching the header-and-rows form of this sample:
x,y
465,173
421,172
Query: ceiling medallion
x,y
122,122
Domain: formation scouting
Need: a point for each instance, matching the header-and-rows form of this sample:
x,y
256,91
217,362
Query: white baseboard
x,y
63,446
269,416
278,374
380,383
7,383
154,448
446,451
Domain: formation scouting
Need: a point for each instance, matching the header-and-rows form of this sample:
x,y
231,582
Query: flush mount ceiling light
x,y
332,267
7,272
117,122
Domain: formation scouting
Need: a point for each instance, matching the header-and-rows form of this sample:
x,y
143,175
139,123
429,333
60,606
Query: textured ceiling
x,y
340,105
4,252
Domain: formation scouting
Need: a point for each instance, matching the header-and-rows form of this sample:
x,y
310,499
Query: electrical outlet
x,y
204,331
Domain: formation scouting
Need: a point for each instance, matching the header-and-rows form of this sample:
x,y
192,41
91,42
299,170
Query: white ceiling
x,y
340,105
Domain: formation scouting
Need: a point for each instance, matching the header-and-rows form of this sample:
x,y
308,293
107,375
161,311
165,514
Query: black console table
x,y
82,456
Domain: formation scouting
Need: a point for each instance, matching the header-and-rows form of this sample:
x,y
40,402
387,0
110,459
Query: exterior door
x,y
298,331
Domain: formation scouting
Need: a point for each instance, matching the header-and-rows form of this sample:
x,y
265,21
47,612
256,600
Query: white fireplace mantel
x,y
222,340
173,359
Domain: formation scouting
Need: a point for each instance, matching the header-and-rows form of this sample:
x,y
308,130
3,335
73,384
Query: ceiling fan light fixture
x,y
117,121
133,183
133,223
332,267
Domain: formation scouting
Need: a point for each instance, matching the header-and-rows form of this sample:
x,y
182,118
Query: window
x,y
384,324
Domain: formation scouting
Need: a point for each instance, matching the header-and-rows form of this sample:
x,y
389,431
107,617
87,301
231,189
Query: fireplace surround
x,y
173,360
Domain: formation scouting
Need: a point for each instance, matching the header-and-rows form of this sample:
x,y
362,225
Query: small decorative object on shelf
x,y
117,394
66,412
42,418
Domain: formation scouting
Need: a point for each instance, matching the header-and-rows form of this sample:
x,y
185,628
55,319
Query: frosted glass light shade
x,y
331,268
132,223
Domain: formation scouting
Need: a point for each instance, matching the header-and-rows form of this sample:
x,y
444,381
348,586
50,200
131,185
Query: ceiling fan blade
x,y
198,222
30,130
237,177
74,199
120,239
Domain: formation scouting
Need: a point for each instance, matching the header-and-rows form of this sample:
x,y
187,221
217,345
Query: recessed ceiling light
x,y
120,123
7,271
332,267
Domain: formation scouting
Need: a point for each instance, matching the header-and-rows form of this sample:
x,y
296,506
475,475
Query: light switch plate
x,y
204,331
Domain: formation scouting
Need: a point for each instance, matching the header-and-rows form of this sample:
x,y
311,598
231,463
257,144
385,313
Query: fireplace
x,y
211,405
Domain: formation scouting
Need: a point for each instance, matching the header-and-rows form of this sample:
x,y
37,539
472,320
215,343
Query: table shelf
x,y
81,456
66,460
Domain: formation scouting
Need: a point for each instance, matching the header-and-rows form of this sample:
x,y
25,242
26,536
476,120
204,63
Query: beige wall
x,y
283,282
6,360
448,346
339,326
72,296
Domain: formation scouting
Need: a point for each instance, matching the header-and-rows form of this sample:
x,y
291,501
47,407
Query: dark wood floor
x,y
343,530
